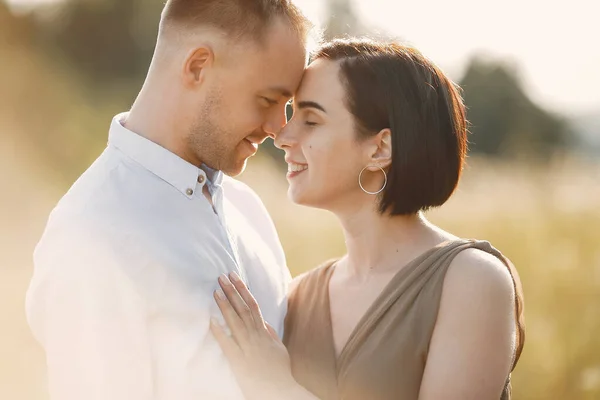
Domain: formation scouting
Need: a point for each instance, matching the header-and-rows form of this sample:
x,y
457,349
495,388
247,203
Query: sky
x,y
555,46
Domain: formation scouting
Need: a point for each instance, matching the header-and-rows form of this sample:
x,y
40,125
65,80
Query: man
x,y
122,291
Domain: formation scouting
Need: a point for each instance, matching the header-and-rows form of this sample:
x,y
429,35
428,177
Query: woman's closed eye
x,y
310,123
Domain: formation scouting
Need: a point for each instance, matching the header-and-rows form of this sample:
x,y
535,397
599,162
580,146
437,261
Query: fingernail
x,y
220,294
234,277
224,279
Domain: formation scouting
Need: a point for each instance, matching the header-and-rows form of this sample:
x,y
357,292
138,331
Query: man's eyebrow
x,y
282,91
310,104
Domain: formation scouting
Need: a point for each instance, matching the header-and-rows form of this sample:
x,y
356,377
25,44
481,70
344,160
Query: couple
x,y
160,277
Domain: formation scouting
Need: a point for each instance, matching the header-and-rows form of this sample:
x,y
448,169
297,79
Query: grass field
x,y
547,220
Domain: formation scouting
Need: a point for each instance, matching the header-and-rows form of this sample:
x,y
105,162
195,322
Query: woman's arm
x,y
257,356
472,346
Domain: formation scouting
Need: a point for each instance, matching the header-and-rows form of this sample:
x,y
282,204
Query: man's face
x,y
245,100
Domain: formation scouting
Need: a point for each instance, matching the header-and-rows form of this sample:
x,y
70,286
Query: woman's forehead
x,y
320,78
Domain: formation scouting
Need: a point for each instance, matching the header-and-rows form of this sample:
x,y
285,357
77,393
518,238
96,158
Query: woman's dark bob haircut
x,y
389,85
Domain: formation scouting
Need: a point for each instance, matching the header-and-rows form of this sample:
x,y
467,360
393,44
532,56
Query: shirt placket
x,y
217,199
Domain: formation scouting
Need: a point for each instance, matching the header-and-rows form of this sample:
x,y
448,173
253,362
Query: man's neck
x,y
156,121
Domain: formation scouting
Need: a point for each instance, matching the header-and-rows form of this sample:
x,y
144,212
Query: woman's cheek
x,y
323,143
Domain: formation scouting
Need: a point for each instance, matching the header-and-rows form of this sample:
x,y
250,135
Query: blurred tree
x,y
110,42
15,30
343,20
46,110
106,40
504,121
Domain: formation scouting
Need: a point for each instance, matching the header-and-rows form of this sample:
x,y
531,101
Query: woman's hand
x,y
257,356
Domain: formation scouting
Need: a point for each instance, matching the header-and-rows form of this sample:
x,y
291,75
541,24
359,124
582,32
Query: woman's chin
x,y
298,196
303,198
294,196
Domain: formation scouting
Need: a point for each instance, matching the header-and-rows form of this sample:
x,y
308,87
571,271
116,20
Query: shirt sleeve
x,y
83,308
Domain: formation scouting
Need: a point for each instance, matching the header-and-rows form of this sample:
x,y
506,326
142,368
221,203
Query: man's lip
x,y
252,144
255,140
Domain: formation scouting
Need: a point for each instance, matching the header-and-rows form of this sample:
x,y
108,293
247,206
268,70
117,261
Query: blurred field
x,y
546,220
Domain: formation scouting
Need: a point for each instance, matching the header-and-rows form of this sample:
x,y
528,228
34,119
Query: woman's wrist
x,y
287,389
295,391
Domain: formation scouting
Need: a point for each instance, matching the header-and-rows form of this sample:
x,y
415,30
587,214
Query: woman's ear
x,y
382,149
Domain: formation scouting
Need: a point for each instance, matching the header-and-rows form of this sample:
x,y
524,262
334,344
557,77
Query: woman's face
x,y
323,152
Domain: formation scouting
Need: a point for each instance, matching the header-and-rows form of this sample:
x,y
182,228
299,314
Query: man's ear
x,y
381,153
196,63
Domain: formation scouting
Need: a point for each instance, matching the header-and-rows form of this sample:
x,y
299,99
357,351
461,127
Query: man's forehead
x,y
283,61
281,77
275,80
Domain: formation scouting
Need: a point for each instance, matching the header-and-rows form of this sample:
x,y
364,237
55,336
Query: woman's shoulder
x,y
478,266
477,262
481,275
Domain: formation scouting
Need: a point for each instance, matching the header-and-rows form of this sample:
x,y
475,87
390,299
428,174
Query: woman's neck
x,y
382,243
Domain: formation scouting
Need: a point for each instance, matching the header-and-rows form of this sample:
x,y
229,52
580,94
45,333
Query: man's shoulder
x,y
235,189
94,211
94,184
243,197
108,192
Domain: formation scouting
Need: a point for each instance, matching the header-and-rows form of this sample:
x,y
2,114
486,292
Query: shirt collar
x,y
215,177
161,162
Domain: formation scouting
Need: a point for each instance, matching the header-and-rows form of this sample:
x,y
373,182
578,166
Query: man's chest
x,y
184,259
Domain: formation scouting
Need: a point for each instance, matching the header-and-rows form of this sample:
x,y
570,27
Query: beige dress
x,y
385,355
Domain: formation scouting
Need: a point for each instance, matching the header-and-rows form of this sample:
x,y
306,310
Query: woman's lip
x,y
293,174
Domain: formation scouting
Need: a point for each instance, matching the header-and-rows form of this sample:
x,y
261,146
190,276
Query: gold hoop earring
x,y
384,182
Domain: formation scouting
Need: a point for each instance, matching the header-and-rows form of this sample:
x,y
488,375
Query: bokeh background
x,y
531,77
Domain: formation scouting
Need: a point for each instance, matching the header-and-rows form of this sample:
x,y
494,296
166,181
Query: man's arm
x,y
84,310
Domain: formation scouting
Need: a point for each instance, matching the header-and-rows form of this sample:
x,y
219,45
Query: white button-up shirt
x,y
125,271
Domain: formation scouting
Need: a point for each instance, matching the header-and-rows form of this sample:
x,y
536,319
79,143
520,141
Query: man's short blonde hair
x,y
238,19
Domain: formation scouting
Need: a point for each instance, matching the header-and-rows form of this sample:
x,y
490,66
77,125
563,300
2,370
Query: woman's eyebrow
x,y
310,104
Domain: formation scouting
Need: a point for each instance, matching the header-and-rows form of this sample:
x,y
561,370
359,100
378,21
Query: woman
x,y
410,312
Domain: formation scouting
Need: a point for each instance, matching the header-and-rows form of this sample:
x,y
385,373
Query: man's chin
x,y
236,169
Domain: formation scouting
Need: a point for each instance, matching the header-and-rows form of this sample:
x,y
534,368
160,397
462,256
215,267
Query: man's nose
x,y
275,122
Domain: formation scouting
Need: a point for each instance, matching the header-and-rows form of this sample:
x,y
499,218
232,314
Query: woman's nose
x,y
285,137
